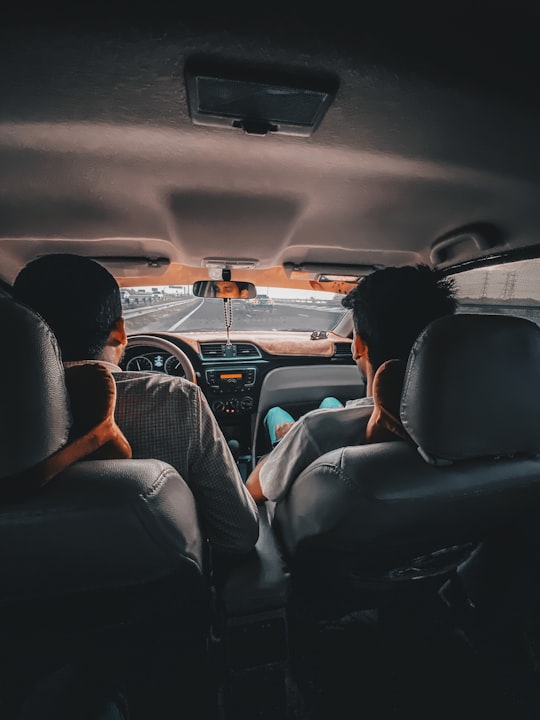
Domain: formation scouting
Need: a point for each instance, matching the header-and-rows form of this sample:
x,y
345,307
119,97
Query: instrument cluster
x,y
156,362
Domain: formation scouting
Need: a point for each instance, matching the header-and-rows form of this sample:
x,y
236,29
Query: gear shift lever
x,y
234,447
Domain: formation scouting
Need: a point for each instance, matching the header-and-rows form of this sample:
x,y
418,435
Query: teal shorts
x,y
276,416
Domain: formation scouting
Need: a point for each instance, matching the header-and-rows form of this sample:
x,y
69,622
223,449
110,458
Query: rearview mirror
x,y
224,289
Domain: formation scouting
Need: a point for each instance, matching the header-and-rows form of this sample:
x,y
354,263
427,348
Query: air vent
x,y
342,349
247,350
212,350
217,351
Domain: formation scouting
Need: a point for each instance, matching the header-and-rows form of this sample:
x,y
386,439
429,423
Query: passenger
x,y
162,417
390,308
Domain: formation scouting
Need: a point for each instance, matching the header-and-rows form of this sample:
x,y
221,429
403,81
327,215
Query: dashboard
x,y
232,376
229,382
218,380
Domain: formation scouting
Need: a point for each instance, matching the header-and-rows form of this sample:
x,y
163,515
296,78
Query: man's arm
x,y
253,483
274,473
314,434
229,513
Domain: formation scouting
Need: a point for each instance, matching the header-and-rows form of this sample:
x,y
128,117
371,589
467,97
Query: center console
x,y
231,390
232,393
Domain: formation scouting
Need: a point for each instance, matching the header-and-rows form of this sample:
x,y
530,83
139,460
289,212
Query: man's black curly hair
x,y
77,297
392,306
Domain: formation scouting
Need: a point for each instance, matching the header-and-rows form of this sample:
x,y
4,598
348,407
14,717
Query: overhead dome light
x,y
257,101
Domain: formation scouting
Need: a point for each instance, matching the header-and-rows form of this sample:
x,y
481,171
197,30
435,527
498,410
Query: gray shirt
x,y
169,419
314,434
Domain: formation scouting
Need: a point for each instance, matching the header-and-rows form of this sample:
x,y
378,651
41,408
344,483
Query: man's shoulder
x,y
353,409
154,383
328,426
361,402
314,434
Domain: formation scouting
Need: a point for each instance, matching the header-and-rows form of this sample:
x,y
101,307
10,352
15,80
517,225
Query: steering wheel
x,y
166,346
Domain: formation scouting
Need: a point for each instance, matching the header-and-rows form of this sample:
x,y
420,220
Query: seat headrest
x,y
51,417
472,388
35,420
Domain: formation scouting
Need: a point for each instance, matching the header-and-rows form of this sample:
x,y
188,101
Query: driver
x,y
229,289
162,417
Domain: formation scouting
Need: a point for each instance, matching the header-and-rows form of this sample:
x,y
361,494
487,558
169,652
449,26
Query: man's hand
x,y
282,429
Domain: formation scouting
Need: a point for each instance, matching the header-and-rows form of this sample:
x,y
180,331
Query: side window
x,y
510,289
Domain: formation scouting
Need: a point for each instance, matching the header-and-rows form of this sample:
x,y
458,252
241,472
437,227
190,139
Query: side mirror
x,y
224,289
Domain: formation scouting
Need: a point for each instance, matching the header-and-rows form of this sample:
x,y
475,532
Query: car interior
x,y
239,170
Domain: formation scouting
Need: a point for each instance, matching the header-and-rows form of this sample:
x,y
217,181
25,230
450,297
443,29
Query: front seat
x,y
100,557
375,526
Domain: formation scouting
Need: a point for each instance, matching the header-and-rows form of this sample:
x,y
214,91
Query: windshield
x,y
176,309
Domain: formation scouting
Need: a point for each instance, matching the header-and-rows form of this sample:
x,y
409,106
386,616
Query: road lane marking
x,y
173,327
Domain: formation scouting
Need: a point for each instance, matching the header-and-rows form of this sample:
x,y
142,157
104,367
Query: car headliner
x,y
433,134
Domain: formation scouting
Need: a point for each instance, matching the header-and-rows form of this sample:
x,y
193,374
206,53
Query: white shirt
x,y
313,435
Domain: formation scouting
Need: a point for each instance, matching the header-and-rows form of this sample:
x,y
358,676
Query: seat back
x,y
87,524
372,518
88,547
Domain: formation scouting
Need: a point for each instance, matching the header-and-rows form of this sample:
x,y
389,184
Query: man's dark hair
x,y
77,297
392,306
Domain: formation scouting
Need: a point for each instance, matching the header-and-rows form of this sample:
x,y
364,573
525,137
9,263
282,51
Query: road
x,y
192,314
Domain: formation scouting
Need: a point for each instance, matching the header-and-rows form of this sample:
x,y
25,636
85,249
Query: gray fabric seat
x,y
109,553
99,524
363,524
